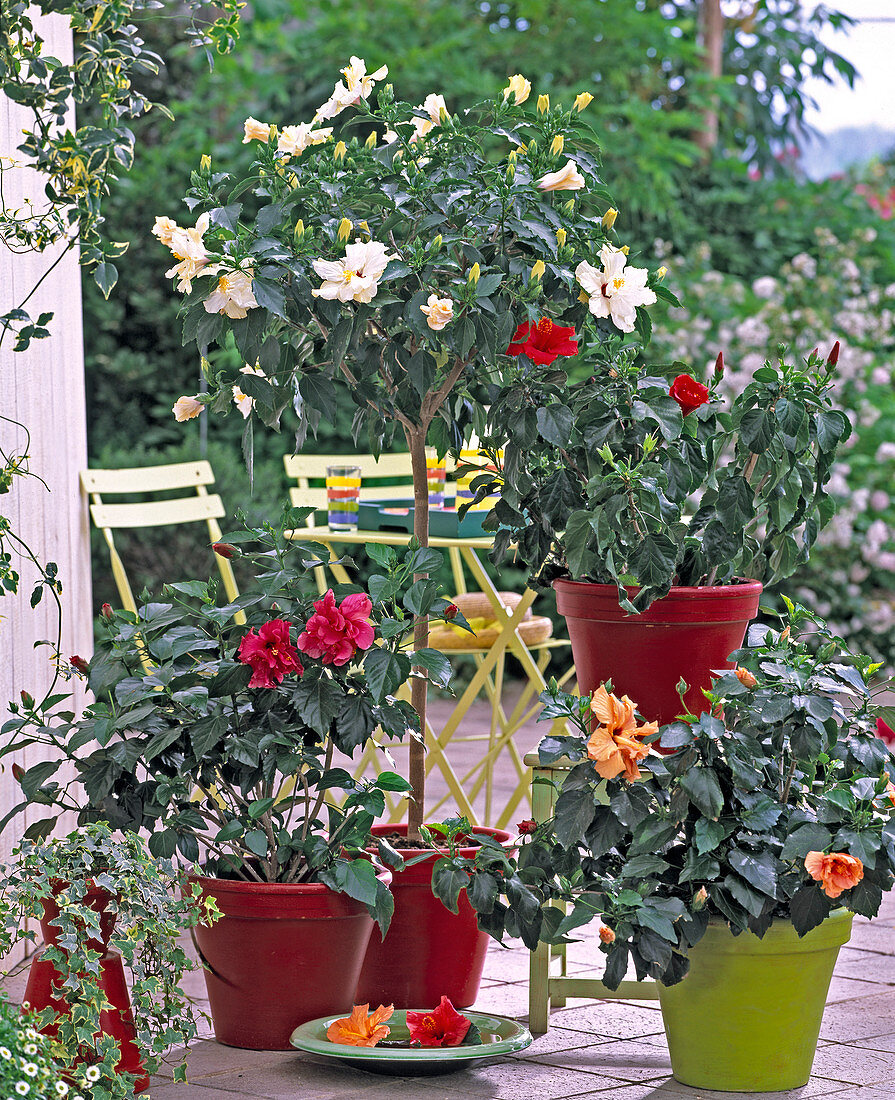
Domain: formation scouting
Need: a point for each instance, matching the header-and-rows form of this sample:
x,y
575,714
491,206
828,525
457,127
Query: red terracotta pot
x,y
686,634
118,1021
280,955
96,898
428,950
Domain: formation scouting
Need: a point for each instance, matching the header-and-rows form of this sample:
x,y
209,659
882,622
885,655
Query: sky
x,y
870,47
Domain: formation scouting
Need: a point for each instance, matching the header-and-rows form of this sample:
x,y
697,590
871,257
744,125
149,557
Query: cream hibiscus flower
x,y
568,178
356,277
439,312
241,400
188,246
436,110
185,408
519,88
257,131
232,295
357,85
293,140
615,291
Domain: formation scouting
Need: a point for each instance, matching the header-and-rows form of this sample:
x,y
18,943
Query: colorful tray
x,y
397,515
501,1036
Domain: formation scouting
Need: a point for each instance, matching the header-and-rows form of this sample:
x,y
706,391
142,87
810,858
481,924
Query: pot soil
x,y
281,954
684,635
747,1016
428,951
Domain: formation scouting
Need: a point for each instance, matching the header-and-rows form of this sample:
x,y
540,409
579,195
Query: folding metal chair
x,y
200,506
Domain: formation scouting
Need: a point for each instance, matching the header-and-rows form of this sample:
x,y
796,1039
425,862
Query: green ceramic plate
x,y
500,1035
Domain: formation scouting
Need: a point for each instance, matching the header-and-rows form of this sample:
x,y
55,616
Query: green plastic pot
x,y
747,1016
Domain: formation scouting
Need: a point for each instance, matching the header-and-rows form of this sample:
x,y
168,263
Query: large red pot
x,y
685,634
428,950
281,954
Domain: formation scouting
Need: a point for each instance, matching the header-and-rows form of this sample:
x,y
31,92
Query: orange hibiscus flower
x,y
835,872
614,746
361,1029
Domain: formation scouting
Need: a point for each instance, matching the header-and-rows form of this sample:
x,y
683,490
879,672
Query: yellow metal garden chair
x,y
196,507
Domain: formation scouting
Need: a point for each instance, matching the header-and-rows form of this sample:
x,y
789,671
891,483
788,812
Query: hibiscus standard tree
x,y
408,268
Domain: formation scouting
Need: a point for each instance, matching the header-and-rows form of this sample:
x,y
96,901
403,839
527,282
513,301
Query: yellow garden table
x,y
464,556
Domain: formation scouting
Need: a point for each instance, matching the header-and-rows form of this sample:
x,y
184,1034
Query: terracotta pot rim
x,y
274,889
467,853
746,586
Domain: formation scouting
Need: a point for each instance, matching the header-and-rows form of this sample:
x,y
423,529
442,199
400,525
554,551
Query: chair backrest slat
x,y
158,513
148,479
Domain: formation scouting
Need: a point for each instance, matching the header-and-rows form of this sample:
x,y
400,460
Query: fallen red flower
x,y
442,1027
543,342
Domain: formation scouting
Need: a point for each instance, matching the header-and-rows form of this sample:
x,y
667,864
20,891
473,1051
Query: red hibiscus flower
x,y
885,731
270,653
335,634
525,828
442,1027
544,341
688,393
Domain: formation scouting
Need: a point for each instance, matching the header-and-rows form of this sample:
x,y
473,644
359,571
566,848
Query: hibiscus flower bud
x,y
784,637
537,271
106,612
582,100
700,898
474,275
437,242
450,612
561,237
205,163
79,664
608,219
556,146
345,228
371,139
299,230
833,357
719,365
662,272
527,827
745,677
27,700
339,150
543,104
606,934
224,549
814,353
17,772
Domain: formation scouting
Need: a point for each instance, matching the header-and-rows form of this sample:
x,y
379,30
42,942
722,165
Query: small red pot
x,y
95,898
281,954
685,634
428,950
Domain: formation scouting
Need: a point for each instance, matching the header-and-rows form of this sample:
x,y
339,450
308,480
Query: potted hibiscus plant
x,y
729,869
654,510
395,267
220,740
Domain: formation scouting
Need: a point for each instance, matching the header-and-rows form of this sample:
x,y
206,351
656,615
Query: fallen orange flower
x,y
614,746
835,872
361,1029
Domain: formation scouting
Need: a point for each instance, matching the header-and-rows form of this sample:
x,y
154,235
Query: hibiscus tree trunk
x,y
416,442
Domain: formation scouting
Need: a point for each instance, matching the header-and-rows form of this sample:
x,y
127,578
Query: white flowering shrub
x,y
27,1067
841,293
